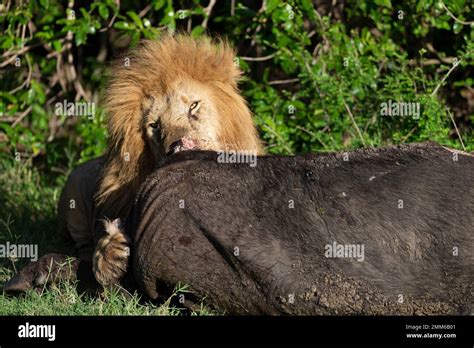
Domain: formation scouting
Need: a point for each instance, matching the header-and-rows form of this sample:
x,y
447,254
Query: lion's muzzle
x,y
185,143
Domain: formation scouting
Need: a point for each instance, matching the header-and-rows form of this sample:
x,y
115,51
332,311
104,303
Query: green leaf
x,y
123,25
80,36
309,9
85,14
157,4
30,96
103,11
135,37
44,3
135,18
38,91
197,31
57,45
7,43
272,5
384,3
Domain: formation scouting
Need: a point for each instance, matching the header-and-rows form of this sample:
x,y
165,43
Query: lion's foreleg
x,y
111,254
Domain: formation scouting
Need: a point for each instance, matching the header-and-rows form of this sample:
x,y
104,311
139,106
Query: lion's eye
x,y
153,125
194,105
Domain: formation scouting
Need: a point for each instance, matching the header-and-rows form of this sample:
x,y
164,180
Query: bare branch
x,y
144,11
208,11
453,17
258,59
456,128
354,122
259,26
25,83
15,55
446,76
22,116
113,18
282,82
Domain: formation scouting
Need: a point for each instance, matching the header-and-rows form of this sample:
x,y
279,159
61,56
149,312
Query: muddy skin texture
x,y
238,243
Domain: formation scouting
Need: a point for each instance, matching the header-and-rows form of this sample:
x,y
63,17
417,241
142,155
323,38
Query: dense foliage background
x,y
317,73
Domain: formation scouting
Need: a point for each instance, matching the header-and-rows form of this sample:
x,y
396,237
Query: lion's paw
x,y
110,259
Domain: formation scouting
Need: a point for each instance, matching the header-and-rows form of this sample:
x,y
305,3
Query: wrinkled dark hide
x,y
238,243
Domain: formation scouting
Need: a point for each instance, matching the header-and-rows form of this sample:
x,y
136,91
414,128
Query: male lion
x,y
178,93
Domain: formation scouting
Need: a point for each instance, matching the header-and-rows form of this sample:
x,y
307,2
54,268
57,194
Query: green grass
x,y
65,300
28,216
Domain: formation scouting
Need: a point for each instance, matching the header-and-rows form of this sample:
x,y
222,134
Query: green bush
x,y
316,75
317,78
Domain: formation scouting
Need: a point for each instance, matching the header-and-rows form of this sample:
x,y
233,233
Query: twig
x,y
456,128
424,62
453,17
315,84
7,120
23,32
59,74
13,264
258,59
232,8
354,122
50,270
446,76
22,116
381,66
28,78
313,135
316,50
279,137
321,23
259,26
53,52
113,18
208,11
190,24
282,82
408,135
144,11
445,60
15,55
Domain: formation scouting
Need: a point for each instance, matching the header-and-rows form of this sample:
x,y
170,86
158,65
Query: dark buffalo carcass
x,y
374,231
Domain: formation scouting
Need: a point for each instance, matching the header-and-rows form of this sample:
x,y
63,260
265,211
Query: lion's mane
x,y
153,66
